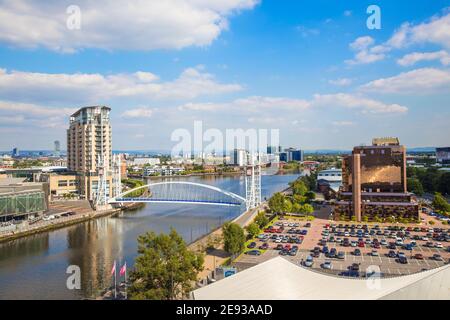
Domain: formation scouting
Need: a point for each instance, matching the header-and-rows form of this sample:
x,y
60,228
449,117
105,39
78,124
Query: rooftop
x,y
279,279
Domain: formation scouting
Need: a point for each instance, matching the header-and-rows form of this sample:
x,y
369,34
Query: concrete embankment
x,y
45,226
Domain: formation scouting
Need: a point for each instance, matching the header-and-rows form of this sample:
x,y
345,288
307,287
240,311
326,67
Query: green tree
x,y
444,183
233,238
253,229
261,219
296,207
299,188
310,195
287,206
415,186
276,202
307,209
440,203
164,269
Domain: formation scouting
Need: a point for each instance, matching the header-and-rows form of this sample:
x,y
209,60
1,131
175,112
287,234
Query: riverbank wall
x,y
65,222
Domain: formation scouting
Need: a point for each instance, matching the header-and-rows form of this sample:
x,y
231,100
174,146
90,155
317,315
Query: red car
x,y
361,244
418,256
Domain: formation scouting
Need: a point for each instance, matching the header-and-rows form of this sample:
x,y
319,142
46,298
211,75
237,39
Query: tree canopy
x,y
164,269
440,203
233,238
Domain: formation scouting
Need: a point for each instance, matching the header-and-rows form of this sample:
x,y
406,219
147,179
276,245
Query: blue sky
x,y
311,69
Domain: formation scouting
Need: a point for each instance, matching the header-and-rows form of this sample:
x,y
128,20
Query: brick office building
x,y
374,183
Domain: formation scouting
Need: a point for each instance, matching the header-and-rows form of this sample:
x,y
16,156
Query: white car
x,y
438,245
327,265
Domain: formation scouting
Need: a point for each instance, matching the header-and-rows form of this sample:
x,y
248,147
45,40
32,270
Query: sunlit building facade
x,y
374,183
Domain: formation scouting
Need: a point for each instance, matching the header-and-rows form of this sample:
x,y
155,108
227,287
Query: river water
x,y
35,267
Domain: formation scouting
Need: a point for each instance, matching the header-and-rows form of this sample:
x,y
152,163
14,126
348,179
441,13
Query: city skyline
x,y
311,69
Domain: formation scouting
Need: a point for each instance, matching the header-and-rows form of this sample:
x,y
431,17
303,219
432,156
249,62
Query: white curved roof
x,y
279,279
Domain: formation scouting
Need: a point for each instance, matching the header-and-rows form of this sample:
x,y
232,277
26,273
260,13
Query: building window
x,y
62,183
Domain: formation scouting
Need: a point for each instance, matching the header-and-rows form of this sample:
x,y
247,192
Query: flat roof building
x,y
374,183
280,279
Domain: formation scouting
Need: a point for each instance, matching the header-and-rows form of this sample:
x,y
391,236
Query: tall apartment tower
x,y
89,133
89,152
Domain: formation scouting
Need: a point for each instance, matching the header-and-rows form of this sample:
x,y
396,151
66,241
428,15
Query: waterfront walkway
x,y
80,211
218,256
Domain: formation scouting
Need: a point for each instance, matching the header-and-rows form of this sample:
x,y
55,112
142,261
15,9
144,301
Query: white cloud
x,y
138,113
367,106
341,82
270,106
254,104
34,110
362,43
33,115
14,119
415,57
365,52
125,25
420,81
91,88
342,123
348,13
435,31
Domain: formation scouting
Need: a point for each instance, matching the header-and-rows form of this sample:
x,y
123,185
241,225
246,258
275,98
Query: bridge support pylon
x,y
253,181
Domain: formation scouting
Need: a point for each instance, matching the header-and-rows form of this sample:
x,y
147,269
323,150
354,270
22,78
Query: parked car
x,y
357,252
374,253
402,260
264,246
437,257
341,255
253,253
327,265
332,253
354,267
392,254
418,256
251,245
309,262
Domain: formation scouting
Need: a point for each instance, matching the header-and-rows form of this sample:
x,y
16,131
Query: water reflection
x,y
35,267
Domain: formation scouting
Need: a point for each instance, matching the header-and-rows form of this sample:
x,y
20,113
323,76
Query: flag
x,y
113,270
123,270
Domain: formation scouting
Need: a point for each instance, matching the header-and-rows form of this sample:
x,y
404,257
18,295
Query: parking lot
x,y
320,232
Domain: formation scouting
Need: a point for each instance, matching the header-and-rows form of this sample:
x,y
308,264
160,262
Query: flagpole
x,y
126,288
115,280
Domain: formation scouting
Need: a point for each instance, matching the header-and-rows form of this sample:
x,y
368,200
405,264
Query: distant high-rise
x,y
291,154
15,152
272,150
57,148
238,157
